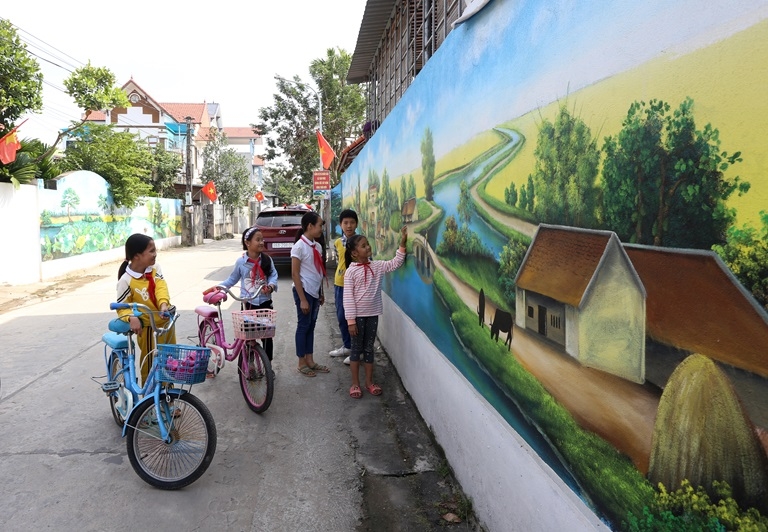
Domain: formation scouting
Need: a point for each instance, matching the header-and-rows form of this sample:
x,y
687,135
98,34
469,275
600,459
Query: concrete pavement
x,y
316,460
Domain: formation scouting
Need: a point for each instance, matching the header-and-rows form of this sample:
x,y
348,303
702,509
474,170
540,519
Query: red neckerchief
x,y
151,280
256,271
319,265
366,268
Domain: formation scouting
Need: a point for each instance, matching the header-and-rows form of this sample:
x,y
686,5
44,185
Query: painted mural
x,y
586,190
80,217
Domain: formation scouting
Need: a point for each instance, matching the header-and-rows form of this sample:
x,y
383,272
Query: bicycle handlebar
x,y
139,309
209,296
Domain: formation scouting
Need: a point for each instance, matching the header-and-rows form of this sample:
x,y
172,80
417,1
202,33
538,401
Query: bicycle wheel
x,y
207,338
116,375
257,381
179,462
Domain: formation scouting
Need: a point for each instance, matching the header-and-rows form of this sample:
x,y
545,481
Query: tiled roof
x,y
562,261
96,116
695,303
240,132
179,111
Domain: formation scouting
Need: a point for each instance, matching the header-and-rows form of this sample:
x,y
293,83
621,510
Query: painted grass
x,y
480,272
607,477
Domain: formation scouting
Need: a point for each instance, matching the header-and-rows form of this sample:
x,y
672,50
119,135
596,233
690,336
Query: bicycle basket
x,y
254,324
182,364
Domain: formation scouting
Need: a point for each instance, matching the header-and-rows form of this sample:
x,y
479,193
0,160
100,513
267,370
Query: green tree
x,y
119,157
228,170
21,82
289,125
167,166
428,164
21,92
564,173
343,104
280,181
70,200
664,181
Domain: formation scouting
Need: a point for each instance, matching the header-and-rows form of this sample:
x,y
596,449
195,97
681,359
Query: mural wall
x,y
79,217
586,190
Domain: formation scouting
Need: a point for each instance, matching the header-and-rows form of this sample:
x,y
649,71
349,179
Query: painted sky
x,y
564,45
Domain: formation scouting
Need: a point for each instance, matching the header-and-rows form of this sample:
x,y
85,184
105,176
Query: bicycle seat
x,y
207,311
119,326
115,341
215,297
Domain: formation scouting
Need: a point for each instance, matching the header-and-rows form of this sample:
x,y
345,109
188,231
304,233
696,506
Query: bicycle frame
x,y
216,320
126,350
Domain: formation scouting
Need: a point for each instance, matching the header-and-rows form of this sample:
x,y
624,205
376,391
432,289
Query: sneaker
x,y
346,361
340,352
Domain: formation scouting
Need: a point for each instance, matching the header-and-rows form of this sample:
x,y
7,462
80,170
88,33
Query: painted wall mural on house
x,y
586,190
80,217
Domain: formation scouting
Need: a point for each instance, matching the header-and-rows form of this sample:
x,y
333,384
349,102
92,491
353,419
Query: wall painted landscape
x,y
79,217
586,190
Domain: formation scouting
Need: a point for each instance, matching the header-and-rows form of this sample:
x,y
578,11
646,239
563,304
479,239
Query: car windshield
x,y
280,219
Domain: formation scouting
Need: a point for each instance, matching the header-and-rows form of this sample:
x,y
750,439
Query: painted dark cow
x,y
502,322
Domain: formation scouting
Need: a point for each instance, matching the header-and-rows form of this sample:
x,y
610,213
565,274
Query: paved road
x,y
316,460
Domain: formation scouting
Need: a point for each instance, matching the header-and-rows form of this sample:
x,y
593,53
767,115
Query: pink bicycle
x,y
257,380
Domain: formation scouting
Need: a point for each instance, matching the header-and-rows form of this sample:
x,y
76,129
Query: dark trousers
x,y
266,342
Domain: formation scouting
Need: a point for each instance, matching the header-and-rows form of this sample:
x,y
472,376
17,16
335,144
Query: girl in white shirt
x,y
308,273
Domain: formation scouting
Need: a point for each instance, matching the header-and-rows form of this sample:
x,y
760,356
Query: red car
x,y
279,226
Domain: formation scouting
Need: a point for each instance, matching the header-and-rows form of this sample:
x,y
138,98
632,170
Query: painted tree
x,y
428,164
564,172
746,254
510,260
411,187
69,201
510,195
466,206
664,181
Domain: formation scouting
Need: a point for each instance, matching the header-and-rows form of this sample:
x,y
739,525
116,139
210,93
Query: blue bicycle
x,y
171,436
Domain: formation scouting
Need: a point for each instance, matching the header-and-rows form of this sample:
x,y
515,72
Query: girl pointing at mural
x,y
140,280
363,305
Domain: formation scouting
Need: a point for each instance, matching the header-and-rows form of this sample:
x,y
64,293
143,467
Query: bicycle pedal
x,y
109,387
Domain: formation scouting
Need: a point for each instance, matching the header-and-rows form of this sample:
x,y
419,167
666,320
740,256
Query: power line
x,y
45,43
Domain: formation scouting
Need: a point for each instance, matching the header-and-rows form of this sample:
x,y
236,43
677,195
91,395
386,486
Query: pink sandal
x,y
355,392
374,389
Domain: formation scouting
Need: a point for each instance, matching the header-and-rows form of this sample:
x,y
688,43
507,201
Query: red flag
x,y
210,190
259,196
326,152
9,145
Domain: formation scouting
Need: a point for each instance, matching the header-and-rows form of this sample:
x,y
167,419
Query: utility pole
x,y
188,198
190,210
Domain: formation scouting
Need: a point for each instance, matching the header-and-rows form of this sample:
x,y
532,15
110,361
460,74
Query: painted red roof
x,y
561,262
695,303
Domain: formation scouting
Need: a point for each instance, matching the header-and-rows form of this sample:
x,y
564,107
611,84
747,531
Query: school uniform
x,y
147,288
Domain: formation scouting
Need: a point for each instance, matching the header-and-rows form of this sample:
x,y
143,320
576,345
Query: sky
x,y
227,52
